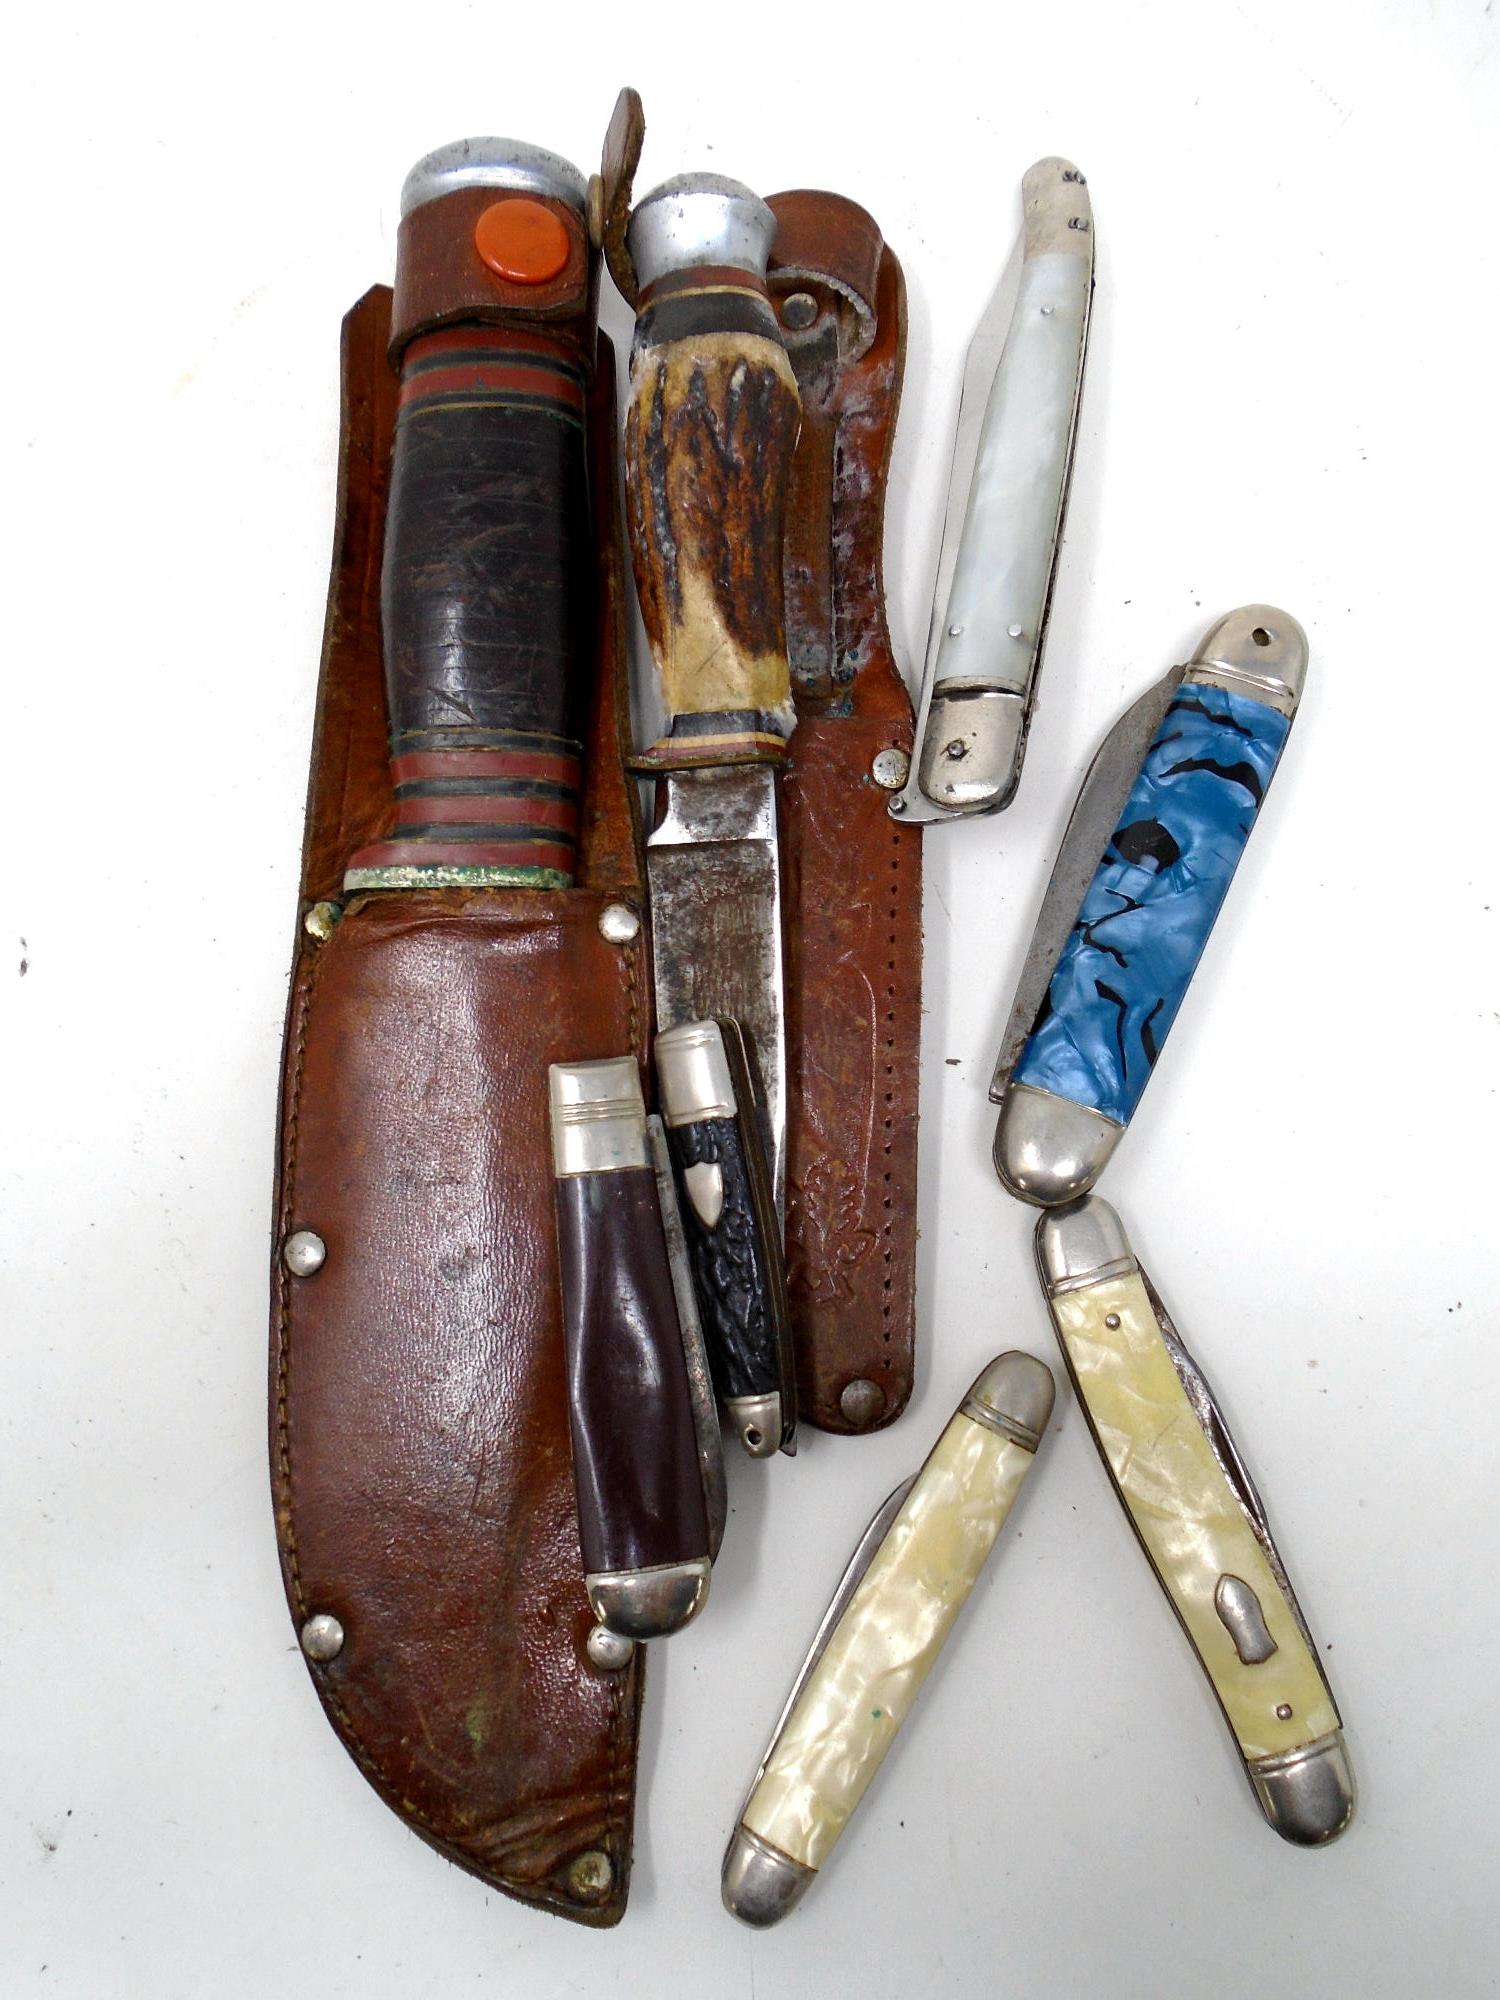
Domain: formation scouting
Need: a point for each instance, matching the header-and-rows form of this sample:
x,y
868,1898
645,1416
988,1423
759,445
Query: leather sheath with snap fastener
x,y
470,914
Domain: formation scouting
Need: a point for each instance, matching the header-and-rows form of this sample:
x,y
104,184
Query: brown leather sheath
x,y
854,875
419,1414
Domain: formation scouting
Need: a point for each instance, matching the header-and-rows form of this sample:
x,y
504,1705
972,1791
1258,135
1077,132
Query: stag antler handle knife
x,y
642,1516
1199,1519
1145,865
487,582
909,1579
709,434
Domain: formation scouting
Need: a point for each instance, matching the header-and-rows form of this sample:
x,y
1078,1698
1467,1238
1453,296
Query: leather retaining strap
x,y
854,882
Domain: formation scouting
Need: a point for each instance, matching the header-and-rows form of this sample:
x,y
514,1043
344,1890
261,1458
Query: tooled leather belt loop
x,y
854,875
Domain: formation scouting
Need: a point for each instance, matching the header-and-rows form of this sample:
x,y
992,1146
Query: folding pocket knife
x,y
1199,1519
1145,864
1013,455
906,1584
647,1465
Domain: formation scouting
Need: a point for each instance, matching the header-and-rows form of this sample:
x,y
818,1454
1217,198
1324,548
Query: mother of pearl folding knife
x,y
909,1579
1012,457
1145,864
1198,1517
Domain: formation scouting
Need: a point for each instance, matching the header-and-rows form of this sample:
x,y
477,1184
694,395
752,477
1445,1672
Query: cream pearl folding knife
x,y
1012,459
1199,1519
908,1580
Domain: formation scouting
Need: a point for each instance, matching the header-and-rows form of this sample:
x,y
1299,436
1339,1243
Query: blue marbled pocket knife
x,y
1147,859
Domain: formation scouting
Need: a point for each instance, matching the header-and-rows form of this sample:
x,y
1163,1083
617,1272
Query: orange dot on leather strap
x,y
522,241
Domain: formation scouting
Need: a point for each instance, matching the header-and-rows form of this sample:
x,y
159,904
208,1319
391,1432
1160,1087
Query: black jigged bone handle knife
x,y
708,1102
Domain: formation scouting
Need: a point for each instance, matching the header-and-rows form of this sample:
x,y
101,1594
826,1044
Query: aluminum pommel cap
x,y
1259,645
700,219
494,163
1049,1150
1016,1392
1082,1245
759,1883
1307,1795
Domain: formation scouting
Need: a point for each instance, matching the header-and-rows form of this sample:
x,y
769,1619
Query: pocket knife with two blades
x,y
1012,460
1157,833
908,1580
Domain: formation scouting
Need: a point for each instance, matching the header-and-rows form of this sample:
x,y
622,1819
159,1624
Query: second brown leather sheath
x,y
854,875
419,1414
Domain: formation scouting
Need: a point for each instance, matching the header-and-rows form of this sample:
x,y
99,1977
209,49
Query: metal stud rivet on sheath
x,y
591,1874
861,1402
322,1637
609,1650
321,920
798,311
304,1253
890,769
619,923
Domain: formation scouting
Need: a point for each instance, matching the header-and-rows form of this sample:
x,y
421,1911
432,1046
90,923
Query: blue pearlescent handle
x,y
1147,914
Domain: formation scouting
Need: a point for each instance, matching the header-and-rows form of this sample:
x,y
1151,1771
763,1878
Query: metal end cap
x,y
509,164
1049,1150
692,1073
1308,1794
757,1423
698,219
1019,1389
1259,644
759,1883
972,749
650,1603
1080,1245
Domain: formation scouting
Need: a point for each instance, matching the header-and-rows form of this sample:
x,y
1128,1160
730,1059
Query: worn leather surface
x,y
635,1451
419,1431
854,875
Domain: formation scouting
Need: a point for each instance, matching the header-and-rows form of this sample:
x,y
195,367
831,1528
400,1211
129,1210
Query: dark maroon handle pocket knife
x,y
635,1400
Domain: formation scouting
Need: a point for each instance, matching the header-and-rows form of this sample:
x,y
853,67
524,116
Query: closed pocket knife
x,y
709,1109
1012,459
645,1439
909,1579
1197,1515
1145,864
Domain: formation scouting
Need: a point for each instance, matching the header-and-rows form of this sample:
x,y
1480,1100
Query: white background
x,y
1291,396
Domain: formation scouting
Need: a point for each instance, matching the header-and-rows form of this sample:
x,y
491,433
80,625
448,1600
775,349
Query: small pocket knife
x,y
1197,1515
710,1109
1018,418
646,1456
1145,864
909,1579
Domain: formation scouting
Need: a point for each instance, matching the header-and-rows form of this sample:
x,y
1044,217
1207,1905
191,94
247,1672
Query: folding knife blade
x,y
1018,419
1165,813
1178,1474
910,1577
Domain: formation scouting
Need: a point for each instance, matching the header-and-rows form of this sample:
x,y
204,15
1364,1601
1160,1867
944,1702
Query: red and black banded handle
x,y
486,586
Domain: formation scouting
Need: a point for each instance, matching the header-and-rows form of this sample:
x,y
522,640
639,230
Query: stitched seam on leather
x,y
887,1247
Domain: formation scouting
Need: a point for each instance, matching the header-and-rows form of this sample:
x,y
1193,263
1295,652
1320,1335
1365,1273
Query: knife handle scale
x,y
641,1510
729,1219
1159,886
710,429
